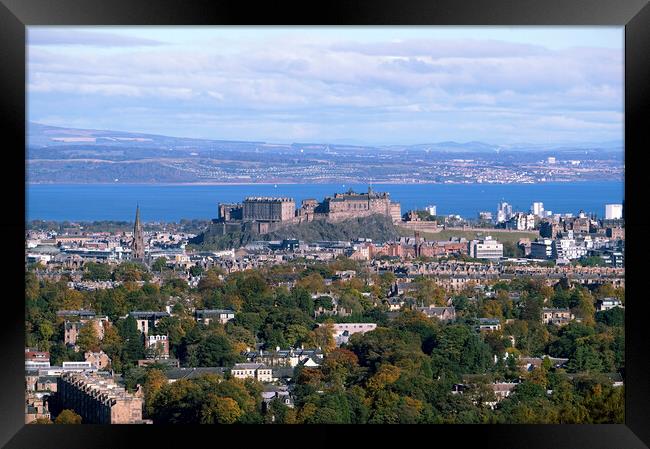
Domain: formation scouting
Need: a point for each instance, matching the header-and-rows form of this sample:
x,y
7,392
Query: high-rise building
x,y
613,211
504,212
432,210
537,209
138,237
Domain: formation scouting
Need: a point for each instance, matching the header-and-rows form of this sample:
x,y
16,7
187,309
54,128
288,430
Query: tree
x,y
88,340
133,341
130,272
159,264
68,417
155,379
324,337
210,281
611,317
219,410
313,283
196,270
97,271
217,350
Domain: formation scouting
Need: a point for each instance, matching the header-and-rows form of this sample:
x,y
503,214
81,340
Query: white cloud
x,y
477,90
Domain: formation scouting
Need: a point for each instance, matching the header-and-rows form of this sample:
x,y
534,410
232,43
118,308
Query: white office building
x,y
486,249
431,209
613,211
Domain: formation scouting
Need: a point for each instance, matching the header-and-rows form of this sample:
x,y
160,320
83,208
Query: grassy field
x,y
508,236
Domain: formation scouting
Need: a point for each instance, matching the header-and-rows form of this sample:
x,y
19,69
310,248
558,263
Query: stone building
x,y
440,313
268,209
230,211
559,317
75,320
342,206
98,399
99,360
147,319
257,371
156,346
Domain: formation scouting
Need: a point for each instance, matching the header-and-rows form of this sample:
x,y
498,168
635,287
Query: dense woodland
x,y
403,372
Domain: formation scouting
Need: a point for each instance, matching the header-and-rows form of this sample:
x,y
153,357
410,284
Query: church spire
x,y
138,237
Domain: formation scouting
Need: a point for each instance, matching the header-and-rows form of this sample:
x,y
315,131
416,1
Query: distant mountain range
x,y
40,135
72,156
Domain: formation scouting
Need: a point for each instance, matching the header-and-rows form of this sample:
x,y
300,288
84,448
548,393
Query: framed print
x,y
309,220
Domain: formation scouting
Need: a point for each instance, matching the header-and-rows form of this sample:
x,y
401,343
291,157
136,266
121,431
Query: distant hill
x,y
376,227
85,156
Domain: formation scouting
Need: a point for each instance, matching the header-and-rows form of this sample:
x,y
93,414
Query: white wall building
x,y
537,209
487,248
431,209
257,371
504,212
342,331
613,211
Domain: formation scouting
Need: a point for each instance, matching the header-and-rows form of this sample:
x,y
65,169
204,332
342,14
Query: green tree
x,y
88,340
97,271
159,264
217,350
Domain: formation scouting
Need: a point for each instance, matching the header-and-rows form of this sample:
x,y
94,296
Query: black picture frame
x,y
15,15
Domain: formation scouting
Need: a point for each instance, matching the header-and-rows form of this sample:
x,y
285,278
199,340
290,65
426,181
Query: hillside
x,y
375,227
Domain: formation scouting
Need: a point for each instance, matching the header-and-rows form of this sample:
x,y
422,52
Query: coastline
x,y
159,184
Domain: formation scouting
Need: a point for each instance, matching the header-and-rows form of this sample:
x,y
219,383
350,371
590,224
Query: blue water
x,y
173,202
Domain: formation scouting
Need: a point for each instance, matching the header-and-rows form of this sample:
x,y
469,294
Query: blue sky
x,y
362,85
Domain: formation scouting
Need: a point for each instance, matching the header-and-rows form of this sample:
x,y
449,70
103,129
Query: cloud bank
x,y
287,88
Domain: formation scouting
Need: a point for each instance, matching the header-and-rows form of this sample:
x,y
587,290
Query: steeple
x,y
138,238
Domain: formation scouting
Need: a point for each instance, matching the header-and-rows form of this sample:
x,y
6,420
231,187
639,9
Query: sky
x,y
356,85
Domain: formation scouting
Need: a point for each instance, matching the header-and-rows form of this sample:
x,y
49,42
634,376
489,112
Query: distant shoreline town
x,y
92,157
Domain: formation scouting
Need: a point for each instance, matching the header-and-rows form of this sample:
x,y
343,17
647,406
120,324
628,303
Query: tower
x,y
138,238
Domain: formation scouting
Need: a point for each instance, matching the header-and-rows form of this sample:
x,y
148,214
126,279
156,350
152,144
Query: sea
x,y
171,203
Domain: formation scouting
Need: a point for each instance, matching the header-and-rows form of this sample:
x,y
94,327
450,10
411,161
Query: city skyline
x,y
373,86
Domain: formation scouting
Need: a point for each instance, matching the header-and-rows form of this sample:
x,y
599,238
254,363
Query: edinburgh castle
x,y
264,214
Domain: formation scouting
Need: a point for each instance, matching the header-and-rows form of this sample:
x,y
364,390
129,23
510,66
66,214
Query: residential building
x,y
148,319
489,324
205,316
36,359
156,346
439,313
343,331
99,360
608,303
98,399
559,317
257,371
